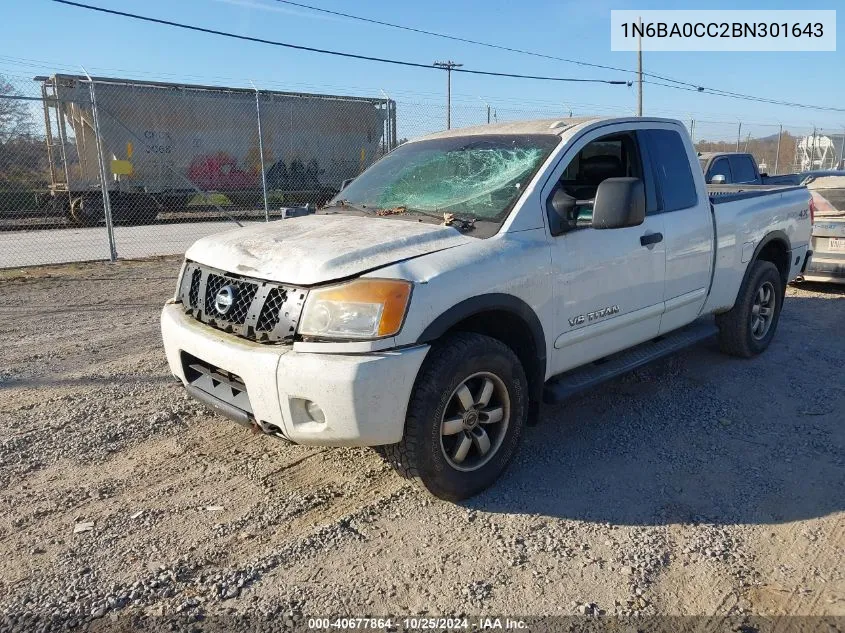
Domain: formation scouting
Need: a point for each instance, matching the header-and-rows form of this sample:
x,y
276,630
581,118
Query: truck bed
x,y
729,193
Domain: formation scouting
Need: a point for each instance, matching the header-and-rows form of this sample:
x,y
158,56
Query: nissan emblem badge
x,y
224,300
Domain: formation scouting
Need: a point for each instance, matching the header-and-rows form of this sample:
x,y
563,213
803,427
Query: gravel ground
x,y
700,485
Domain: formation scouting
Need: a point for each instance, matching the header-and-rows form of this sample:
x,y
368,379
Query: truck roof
x,y
709,155
537,126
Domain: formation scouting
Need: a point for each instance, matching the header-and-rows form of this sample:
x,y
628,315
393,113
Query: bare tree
x,y
15,116
22,154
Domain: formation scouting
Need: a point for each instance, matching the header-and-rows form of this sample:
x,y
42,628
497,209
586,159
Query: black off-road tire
x,y
419,456
735,335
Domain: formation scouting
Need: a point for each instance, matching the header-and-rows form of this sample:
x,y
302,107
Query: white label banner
x,y
721,30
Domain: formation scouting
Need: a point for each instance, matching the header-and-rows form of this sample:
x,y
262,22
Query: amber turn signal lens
x,y
360,309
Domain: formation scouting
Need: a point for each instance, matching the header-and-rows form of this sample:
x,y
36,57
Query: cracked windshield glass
x,y
473,177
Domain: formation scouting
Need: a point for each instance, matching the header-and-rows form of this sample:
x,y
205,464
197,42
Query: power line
x,y
735,95
52,66
511,104
466,40
324,51
684,85
678,84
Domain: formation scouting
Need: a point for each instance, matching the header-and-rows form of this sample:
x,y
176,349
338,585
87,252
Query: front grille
x,y
269,317
252,308
244,292
196,276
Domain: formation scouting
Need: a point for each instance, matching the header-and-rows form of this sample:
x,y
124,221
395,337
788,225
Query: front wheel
x,y
465,417
749,327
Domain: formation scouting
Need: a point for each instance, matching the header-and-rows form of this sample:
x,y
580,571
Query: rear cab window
x,y
671,168
743,169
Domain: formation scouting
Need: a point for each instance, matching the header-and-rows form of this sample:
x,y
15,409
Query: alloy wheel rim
x,y
475,421
763,310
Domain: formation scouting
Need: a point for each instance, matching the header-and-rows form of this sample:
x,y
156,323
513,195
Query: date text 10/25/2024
x,y
418,624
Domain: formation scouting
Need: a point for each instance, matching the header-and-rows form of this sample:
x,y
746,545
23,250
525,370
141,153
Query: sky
x,y
49,37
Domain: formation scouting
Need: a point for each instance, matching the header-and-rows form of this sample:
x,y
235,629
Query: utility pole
x,y
448,66
640,69
777,151
738,136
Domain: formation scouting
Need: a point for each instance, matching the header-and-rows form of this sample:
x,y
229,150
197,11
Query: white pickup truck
x,y
470,275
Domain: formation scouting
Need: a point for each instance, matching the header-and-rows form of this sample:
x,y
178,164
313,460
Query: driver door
x,y
609,283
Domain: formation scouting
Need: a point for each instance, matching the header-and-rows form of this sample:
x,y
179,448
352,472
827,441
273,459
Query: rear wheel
x,y
465,417
749,327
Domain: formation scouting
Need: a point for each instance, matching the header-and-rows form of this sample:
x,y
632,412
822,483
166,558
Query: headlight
x,y
360,309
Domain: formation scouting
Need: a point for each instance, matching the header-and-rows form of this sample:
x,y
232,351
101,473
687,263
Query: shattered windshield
x,y
479,177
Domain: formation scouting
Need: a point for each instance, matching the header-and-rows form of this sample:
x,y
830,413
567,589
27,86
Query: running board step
x,y
588,376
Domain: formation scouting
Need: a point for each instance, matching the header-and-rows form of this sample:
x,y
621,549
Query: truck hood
x,y
319,248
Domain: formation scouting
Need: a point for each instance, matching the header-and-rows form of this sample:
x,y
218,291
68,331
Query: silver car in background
x,y
827,263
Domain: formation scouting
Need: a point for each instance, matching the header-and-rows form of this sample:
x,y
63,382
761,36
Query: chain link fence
x,y
108,168
130,169
778,149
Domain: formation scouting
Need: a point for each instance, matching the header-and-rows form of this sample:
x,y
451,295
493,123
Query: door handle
x,y
651,238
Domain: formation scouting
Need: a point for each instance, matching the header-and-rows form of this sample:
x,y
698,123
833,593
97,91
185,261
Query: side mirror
x,y
346,183
620,202
561,210
717,179
562,204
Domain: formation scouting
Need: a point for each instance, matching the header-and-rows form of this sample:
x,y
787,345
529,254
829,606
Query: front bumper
x,y
364,397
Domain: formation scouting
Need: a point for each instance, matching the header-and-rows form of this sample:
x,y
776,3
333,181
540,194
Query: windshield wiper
x,y
448,219
346,204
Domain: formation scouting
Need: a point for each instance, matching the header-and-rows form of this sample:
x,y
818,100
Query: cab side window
x,y
671,168
613,156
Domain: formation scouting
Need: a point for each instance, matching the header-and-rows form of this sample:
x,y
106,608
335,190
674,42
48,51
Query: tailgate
x,y
828,237
829,200
828,194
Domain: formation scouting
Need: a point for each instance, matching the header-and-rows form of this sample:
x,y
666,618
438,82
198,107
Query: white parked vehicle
x,y
472,274
828,240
